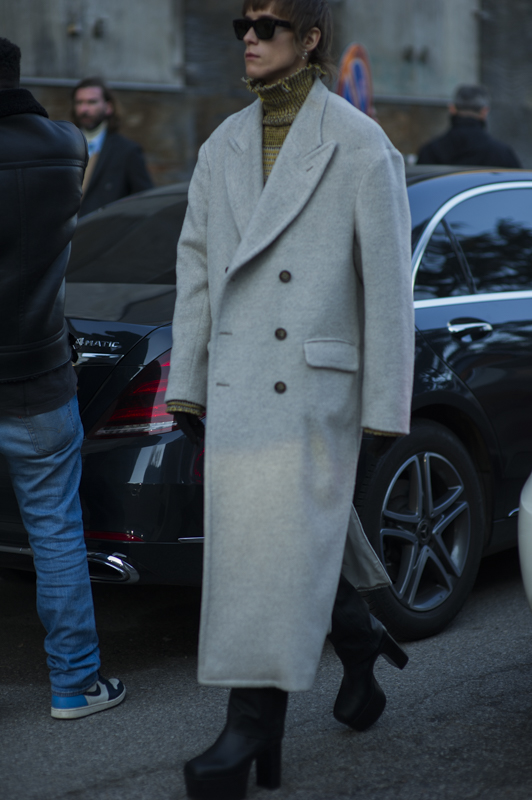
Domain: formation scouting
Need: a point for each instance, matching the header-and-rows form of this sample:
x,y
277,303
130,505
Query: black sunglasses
x,y
264,27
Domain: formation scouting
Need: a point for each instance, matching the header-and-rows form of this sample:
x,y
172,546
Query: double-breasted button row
x,y
285,276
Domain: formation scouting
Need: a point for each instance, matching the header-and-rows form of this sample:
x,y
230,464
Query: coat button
x,y
280,387
285,276
280,333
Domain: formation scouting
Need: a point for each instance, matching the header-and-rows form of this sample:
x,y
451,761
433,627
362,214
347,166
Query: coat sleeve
x,y
383,260
191,328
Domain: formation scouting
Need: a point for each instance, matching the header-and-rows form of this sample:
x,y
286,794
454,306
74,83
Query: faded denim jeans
x,y
43,455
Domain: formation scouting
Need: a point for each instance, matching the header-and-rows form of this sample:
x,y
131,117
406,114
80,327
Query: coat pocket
x,y
331,354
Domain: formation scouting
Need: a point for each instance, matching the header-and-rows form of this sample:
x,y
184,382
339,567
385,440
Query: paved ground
x,y
458,722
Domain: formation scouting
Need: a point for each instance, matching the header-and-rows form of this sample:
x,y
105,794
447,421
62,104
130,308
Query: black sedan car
x,y
432,505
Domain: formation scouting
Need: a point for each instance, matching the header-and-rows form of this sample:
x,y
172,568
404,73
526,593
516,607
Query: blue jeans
x,y
43,455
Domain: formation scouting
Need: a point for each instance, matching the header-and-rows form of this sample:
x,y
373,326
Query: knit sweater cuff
x,y
173,406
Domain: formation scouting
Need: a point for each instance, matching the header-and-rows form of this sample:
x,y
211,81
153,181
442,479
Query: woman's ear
x,y
312,39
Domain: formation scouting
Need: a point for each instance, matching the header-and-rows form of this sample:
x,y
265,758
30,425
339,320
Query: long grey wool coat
x,y
294,327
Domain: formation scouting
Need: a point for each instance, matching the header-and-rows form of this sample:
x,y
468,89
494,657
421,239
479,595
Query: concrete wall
x,y
128,41
420,49
506,42
170,123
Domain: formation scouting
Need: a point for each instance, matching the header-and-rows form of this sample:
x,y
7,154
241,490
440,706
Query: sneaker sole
x,y
85,711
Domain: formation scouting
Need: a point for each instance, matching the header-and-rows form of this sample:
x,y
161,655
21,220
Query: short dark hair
x,y
304,15
469,97
113,121
9,64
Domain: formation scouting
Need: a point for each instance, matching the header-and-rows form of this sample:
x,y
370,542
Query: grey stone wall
x,y
506,46
461,41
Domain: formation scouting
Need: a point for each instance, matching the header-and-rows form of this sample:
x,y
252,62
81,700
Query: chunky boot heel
x,y
269,767
360,701
391,651
254,730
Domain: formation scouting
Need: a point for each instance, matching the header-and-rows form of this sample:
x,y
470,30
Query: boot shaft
x,y
257,713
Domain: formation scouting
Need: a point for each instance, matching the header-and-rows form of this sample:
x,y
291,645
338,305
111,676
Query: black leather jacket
x,y
41,171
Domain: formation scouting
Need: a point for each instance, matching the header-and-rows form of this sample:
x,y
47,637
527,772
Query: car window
x,y
132,242
439,273
495,233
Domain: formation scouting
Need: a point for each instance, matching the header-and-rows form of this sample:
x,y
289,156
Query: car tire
x,y
423,509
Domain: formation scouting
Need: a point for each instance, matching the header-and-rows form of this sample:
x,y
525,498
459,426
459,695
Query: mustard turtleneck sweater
x,y
281,103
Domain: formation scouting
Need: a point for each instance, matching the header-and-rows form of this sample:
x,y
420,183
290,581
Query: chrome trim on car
x,y
473,298
114,357
119,569
446,207
22,551
464,328
191,539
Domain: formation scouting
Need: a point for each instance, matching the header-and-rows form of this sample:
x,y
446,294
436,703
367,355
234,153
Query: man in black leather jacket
x,y
41,171
467,142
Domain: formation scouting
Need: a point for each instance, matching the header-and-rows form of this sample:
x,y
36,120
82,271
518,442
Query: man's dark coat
x,y
468,143
119,171
41,171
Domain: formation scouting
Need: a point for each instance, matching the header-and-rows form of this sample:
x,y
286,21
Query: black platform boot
x,y
253,732
359,639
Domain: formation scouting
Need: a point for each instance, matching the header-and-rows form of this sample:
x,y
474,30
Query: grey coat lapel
x,y
296,174
243,168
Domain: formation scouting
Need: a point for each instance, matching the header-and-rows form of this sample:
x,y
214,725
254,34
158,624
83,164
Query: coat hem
x,y
228,683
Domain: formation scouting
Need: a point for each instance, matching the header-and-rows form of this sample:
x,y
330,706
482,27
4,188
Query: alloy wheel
x,y
425,531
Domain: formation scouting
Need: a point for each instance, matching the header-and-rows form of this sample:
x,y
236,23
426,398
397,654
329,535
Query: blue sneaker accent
x,y
68,702
101,695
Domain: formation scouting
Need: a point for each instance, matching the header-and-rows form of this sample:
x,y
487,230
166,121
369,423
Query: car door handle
x,y
469,327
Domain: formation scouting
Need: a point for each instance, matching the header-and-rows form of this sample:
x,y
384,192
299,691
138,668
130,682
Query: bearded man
x,y
116,165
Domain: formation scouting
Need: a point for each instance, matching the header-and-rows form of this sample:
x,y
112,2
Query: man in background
x,y
116,165
41,171
467,142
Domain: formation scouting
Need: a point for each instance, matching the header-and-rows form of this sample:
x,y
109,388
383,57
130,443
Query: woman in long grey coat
x,y
294,328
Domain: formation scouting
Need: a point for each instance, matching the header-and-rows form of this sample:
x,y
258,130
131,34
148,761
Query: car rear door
x,y
473,298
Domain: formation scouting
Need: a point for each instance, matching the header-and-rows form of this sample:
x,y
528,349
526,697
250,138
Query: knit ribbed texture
x,y
174,406
281,102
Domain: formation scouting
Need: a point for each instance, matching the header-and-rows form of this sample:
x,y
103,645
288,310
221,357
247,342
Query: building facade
x,y
177,67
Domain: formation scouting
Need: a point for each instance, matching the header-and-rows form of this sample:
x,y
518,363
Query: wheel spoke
x,y
427,480
447,500
448,518
441,588
457,557
398,534
435,507
408,544
406,508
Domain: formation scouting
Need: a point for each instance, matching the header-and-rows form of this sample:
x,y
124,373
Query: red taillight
x,y
141,408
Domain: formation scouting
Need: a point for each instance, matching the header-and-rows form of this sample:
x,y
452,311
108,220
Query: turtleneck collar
x,y
282,100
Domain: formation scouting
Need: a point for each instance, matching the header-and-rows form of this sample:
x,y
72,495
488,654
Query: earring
x,y
305,54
